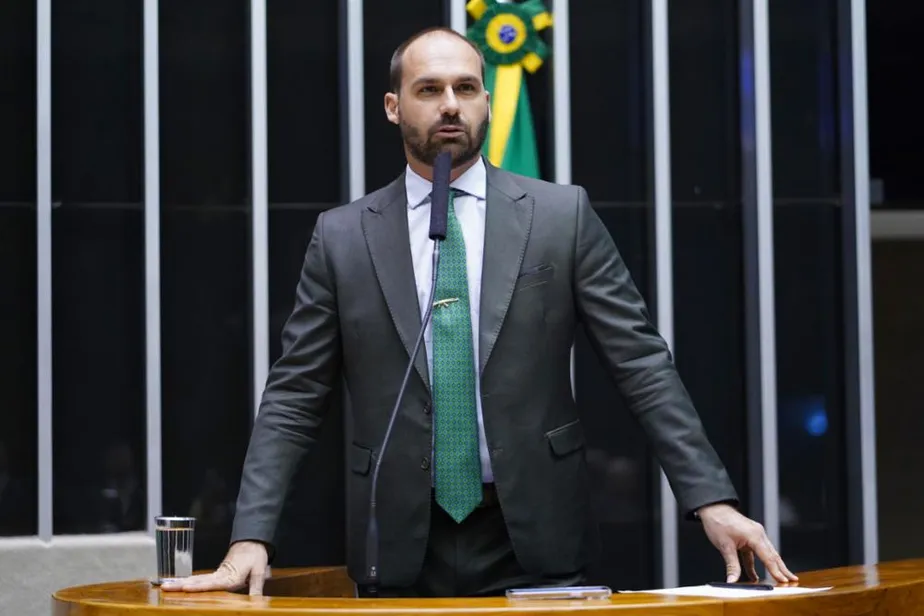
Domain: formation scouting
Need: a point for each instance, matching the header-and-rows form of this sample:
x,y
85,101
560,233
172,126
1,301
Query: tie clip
x,y
445,302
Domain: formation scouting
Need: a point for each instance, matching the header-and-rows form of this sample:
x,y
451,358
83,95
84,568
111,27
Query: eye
x,y
429,90
468,88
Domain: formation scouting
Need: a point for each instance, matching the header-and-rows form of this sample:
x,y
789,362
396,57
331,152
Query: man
x,y
484,484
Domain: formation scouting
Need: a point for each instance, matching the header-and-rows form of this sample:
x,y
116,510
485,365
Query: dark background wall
x,y
896,140
898,269
98,247
896,149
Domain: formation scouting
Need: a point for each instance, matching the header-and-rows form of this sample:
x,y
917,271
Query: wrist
x,y
711,509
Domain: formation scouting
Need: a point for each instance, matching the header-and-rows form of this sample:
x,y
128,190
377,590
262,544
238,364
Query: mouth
x,y
450,131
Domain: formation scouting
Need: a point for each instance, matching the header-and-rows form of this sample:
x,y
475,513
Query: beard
x,y
463,148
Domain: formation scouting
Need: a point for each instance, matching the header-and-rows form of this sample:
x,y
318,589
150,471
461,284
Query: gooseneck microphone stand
x,y
439,211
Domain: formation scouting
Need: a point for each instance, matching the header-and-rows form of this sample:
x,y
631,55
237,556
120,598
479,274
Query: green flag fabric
x,y
507,35
520,153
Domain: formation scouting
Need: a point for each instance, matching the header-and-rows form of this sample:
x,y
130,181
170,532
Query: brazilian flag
x,y
508,35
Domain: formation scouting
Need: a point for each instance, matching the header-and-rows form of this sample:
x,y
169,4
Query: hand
x,y
733,533
246,560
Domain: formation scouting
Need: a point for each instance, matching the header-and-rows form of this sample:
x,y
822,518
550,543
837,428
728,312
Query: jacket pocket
x,y
567,438
534,276
360,459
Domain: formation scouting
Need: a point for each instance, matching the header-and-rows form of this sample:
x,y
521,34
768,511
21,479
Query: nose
x,y
449,104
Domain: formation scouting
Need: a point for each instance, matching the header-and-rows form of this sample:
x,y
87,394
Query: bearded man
x,y
484,484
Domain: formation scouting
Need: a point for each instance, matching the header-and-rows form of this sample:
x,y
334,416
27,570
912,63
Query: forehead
x,y
439,55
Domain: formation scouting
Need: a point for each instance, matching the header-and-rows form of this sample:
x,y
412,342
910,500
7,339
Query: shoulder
x,y
562,197
348,216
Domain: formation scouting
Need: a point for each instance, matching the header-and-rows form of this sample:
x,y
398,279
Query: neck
x,y
426,171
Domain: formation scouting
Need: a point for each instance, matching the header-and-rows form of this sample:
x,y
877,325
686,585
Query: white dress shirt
x,y
470,211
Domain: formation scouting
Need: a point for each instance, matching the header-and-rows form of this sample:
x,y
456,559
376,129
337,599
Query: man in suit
x,y
484,483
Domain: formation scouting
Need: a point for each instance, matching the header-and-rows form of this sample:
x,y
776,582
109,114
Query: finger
x,y
256,581
771,559
180,583
749,564
776,572
791,577
732,565
195,583
226,577
215,582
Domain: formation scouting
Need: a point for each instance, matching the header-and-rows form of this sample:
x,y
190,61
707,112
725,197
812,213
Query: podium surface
x,y
886,588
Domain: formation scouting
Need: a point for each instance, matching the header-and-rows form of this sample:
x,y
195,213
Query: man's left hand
x,y
733,533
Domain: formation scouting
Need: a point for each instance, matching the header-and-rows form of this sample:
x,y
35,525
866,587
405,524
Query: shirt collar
x,y
472,182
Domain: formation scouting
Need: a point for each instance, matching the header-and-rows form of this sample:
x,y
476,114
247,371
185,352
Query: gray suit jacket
x,y
549,264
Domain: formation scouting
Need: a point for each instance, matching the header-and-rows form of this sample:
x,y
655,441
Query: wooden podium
x,y
888,588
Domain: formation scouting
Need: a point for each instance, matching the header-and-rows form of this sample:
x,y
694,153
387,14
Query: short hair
x,y
397,58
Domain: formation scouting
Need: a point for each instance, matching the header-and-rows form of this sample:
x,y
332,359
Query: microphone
x,y
439,216
439,199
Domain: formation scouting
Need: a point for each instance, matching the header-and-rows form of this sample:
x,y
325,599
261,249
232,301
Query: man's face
x,y
442,103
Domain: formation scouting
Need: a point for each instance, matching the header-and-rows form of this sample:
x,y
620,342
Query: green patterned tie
x,y
458,465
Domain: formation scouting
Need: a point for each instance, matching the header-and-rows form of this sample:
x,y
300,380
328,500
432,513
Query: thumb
x,y
256,581
732,564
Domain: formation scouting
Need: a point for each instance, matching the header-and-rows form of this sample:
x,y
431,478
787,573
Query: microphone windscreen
x,y
439,198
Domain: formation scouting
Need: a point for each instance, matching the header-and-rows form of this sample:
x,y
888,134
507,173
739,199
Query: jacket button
x,y
427,409
425,464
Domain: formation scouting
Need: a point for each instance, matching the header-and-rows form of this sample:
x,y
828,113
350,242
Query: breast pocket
x,y
534,276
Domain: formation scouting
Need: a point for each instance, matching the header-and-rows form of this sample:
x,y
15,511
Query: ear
x,y
488,98
391,108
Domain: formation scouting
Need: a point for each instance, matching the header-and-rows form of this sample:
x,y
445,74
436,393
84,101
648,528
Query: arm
x,y
295,399
617,324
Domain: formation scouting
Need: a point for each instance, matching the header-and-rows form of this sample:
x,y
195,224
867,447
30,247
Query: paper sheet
x,y
731,593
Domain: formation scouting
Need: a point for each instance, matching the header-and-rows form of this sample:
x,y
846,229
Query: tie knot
x,y
454,193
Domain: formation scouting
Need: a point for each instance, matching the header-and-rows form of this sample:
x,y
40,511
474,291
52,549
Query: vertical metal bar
x,y
458,19
259,198
760,306
864,285
343,90
664,271
152,259
561,78
863,526
766,268
355,93
43,267
561,104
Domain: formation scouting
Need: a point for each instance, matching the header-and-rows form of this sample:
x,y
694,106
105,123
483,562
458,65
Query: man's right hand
x,y
245,561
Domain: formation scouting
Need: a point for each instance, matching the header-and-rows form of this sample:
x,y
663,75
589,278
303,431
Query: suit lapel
x,y
508,219
385,227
